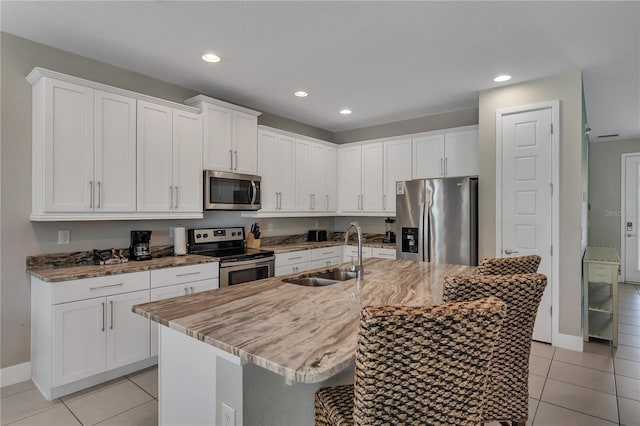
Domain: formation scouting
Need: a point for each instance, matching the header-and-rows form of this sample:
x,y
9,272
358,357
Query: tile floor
x,y
600,386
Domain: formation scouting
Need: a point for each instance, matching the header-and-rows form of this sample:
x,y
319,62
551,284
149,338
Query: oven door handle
x,y
256,262
252,192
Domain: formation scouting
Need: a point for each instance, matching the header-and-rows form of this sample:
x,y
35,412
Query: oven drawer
x,y
183,274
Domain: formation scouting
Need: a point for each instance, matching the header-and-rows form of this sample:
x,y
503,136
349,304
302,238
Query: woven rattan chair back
x,y
509,265
507,397
417,365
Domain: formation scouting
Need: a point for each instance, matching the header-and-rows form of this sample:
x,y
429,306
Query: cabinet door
x,y
428,156
372,177
115,153
79,342
68,147
187,161
350,170
461,153
268,169
245,143
397,166
331,179
217,137
303,175
317,169
286,172
127,333
155,158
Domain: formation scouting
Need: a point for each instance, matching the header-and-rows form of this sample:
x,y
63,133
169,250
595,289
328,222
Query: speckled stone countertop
x,y
90,271
306,334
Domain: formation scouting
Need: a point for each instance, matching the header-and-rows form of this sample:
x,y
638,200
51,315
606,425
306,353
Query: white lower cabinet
x,y
181,281
350,253
384,253
292,262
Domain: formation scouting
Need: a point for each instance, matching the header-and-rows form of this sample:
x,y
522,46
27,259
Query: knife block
x,y
252,242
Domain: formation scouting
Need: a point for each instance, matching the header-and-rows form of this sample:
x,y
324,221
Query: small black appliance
x,y
139,248
317,235
389,231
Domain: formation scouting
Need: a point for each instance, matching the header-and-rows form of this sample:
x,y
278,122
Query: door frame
x,y
557,339
623,207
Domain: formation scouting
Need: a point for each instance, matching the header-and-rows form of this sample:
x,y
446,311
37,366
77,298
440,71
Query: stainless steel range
x,y
238,264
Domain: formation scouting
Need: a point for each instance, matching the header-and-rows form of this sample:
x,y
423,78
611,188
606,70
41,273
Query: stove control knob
x,y
233,234
198,236
206,235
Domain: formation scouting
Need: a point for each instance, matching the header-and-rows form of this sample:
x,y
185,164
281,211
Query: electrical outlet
x,y
228,415
64,236
269,226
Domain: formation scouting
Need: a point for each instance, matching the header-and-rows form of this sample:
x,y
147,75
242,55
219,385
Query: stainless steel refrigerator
x,y
437,220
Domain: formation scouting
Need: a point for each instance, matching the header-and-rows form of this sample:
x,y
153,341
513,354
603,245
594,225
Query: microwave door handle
x,y
252,192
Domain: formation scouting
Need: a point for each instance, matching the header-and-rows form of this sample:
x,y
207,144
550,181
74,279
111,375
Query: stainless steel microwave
x,y
231,191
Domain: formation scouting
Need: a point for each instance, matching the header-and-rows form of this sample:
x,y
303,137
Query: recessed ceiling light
x,y
345,111
301,94
210,57
501,78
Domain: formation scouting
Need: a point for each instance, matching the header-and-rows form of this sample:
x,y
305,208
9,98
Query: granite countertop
x,y
89,271
289,247
306,334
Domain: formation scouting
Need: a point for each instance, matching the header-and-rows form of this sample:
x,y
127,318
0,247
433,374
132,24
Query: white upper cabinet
x,y
310,176
446,154
230,135
115,153
187,161
397,166
331,179
276,167
360,170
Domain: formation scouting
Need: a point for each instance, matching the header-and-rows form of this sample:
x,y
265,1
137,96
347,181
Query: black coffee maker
x,y
139,248
389,228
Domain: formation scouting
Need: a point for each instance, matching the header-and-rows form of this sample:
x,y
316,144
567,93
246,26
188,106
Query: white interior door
x,y
526,197
631,238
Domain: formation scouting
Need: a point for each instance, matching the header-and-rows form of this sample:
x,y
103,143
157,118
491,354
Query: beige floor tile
x,y
147,380
628,387
627,352
92,389
629,329
628,339
552,415
582,376
543,350
24,404
587,401
142,415
629,412
16,388
626,319
598,347
585,359
108,402
536,384
533,407
56,416
539,366
627,368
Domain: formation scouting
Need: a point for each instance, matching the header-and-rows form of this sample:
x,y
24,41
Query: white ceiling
x,y
387,61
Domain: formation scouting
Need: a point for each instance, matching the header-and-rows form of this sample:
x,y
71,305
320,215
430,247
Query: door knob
x,y
509,251
631,235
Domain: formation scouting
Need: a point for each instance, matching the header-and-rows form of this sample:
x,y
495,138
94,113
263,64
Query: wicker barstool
x,y
417,365
507,395
509,265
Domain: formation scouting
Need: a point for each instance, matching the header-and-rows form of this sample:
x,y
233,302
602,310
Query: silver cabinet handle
x,y
187,273
327,201
104,313
509,251
106,286
170,197
236,166
277,201
280,200
384,201
445,165
313,201
177,196
191,289
231,159
294,258
90,194
99,194
111,326
186,290
441,166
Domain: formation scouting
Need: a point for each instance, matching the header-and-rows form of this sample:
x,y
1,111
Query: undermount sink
x,y
323,278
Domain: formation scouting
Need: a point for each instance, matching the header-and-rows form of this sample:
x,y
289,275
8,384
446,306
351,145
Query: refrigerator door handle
x,y
421,227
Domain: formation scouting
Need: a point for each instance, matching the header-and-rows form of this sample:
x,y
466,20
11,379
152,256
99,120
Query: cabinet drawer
x,y
88,288
184,274
326,253
323,263
284,259
352,252
600,273
292,269
385,253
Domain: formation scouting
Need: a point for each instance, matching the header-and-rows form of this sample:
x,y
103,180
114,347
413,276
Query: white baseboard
x,y
568,341
15,374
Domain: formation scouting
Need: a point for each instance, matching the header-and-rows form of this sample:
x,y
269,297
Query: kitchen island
x,y
255,353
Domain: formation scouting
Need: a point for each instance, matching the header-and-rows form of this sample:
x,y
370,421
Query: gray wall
x,y
567,88
20,237
465,117
604,191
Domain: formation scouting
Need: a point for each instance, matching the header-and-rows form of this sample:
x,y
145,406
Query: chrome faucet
x,y
359,269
